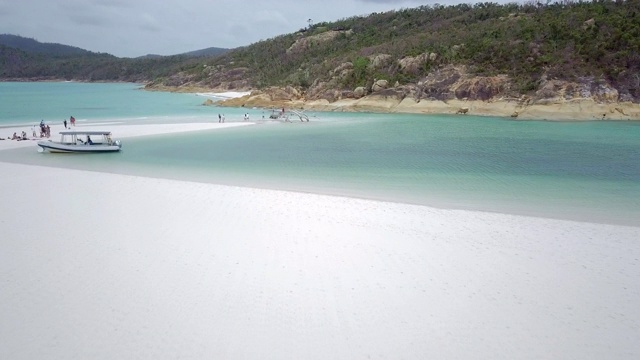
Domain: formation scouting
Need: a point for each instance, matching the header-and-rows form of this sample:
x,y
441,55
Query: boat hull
x,y
70,148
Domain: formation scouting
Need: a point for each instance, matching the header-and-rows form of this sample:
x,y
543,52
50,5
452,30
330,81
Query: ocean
x,y
586,171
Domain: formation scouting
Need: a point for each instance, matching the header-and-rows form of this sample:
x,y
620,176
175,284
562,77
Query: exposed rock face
x,y
330,95
177,80
444,84
304,43
219,77
437,85
481,87
230,79
282,94
586,88
451,85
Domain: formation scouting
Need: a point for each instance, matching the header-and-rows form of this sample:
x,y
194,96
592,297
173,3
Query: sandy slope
x,y
105,266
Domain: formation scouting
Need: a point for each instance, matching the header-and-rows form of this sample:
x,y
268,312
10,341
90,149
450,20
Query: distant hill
x,y
33,46
208,52
28,59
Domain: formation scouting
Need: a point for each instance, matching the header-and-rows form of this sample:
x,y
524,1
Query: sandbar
x,y
106,266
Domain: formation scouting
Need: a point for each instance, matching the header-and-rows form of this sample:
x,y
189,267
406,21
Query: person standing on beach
x,y
65,123
219,118
72,120
222,117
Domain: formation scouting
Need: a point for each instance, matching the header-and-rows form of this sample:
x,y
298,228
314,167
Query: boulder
x,y
380,85
341,68
389,94
380,60
359,92
409,65
412,65
588,24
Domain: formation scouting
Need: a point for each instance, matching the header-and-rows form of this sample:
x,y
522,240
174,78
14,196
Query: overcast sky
x,y
131,28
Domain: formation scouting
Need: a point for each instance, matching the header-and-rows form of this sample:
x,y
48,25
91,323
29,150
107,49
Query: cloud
x,y
138,27
4,8
394,2
148,22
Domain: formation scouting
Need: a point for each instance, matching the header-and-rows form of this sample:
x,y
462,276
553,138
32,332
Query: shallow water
x,y
574,170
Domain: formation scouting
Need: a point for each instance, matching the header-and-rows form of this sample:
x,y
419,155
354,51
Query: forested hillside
x,y
27,59
526,43
34,46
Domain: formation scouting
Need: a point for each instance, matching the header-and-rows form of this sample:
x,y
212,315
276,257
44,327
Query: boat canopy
x,y
94,132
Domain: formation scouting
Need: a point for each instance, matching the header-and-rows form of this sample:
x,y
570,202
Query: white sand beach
x,y
225,94
107,266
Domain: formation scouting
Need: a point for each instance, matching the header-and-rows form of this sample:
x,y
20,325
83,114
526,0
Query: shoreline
x,y
122,131
201,270
553,109
548,110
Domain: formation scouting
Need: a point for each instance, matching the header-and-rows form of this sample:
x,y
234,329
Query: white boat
x,y
81,142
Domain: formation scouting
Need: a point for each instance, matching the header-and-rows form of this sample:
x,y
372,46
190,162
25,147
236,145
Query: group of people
x,y
246,117
72,122
15,136
22,136
45,130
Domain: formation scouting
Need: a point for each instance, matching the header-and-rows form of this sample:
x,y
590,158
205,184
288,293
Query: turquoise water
x,y
574,170
55,101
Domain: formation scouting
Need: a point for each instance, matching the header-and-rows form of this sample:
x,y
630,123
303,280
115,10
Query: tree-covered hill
x,y
35,47
27,59
526,42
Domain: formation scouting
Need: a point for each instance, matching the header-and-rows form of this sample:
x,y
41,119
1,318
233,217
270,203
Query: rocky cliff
x,y
453,90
